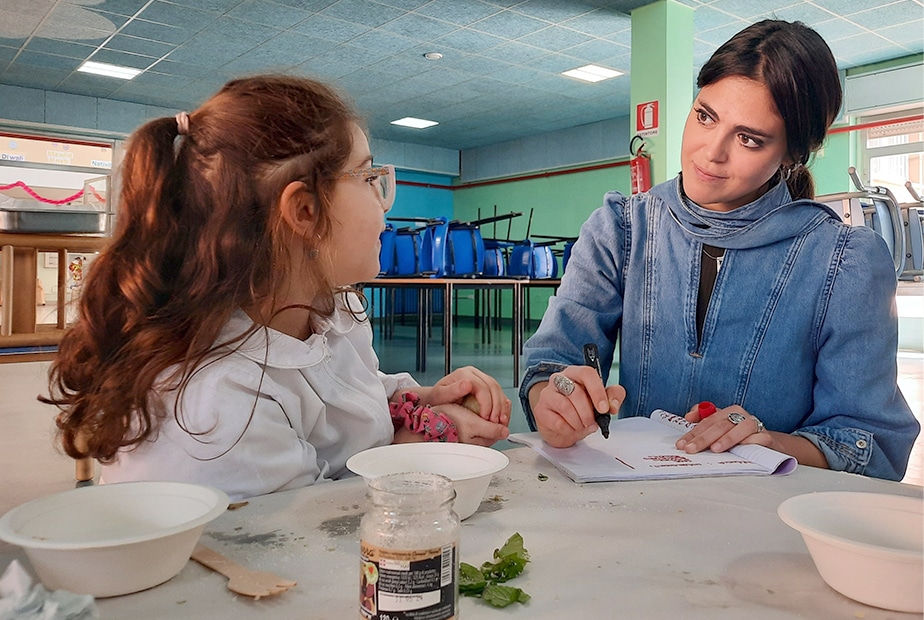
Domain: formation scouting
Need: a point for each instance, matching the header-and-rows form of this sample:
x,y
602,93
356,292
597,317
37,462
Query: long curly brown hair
x,y
197,237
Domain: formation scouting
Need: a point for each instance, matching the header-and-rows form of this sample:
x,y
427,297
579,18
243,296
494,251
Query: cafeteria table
x,y
694,548
446,286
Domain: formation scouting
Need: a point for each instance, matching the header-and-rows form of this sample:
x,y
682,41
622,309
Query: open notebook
x,y
643,448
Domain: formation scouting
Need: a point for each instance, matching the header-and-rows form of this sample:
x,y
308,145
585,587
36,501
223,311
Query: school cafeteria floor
x,y
32,466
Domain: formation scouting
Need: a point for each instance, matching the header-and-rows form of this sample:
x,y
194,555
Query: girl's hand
x,y
564,419
479,392
471,427
719,432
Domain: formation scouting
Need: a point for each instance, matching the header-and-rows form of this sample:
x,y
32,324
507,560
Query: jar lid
x,y
415,488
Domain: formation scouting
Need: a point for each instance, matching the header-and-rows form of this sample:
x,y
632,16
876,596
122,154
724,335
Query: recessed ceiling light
x,y
416,123
102,68
592,73
433,55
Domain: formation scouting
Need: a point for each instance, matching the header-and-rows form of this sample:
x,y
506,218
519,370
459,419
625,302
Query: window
x,y
893,153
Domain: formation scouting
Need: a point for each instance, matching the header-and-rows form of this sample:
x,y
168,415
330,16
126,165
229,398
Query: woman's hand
x,y
473,388
471,427
564,419
720,431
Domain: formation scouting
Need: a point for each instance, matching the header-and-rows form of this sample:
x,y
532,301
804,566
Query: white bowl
x,y
112,539
867,546
469,467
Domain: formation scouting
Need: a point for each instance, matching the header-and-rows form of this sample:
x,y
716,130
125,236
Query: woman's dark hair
x,y
797,67
197,238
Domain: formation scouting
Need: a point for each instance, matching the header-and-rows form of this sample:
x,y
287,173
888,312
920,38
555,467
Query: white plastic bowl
x,y
469,467
112,539
867,546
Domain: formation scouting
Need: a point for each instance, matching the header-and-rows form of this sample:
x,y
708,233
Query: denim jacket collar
x,y
771,218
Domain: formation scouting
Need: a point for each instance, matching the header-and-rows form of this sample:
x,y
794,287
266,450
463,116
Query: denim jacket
x,y
801,328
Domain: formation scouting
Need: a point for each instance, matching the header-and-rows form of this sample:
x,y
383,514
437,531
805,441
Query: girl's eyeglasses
x,y
382,178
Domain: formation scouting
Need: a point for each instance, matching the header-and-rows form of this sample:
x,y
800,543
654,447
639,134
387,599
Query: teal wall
x,y
436,200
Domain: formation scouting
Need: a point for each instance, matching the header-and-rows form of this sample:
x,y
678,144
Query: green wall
x,y
560,204
830,165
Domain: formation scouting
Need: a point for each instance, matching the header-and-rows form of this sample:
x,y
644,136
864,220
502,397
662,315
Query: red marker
x,y
705,409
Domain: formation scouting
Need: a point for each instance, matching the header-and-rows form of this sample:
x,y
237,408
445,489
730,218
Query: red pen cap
x,y
705,409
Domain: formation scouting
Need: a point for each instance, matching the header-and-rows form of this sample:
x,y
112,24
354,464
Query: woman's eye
x,y
748,141
702,116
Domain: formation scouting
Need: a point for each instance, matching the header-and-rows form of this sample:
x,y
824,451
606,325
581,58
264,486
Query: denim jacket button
x,y
861,443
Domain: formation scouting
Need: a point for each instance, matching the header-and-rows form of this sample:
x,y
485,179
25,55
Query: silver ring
x,y
736,418
760,425
563,384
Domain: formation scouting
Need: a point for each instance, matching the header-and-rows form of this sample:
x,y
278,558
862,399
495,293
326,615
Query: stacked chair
x,y
913,220
875,207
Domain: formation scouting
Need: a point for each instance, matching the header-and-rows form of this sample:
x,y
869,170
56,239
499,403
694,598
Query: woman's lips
x,y
706,176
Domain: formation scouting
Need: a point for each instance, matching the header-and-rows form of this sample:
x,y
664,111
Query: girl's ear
x,y
297,208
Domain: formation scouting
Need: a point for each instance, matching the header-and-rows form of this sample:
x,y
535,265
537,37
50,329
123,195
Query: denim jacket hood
x,y
800,330
771,218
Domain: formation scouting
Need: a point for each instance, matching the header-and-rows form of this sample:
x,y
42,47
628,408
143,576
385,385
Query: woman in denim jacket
x,y
729,284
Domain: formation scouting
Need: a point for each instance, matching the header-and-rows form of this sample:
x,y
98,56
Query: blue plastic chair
x,y
466,251
387,265
433,256
407,252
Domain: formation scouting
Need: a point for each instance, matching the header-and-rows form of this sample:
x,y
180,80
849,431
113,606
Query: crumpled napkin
x,y
21,600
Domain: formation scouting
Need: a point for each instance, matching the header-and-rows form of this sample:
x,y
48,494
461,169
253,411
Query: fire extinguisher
x,y
640,166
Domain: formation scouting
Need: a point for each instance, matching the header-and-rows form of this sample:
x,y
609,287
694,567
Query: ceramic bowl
x,y
470,467
867,546
112,539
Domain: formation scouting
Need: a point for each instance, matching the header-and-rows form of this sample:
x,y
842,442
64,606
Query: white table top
x,y
699,548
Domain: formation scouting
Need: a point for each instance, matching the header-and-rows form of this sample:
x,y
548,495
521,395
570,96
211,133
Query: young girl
x,y
217,340
729,284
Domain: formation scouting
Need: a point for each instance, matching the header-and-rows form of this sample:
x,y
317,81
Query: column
x,y
662,81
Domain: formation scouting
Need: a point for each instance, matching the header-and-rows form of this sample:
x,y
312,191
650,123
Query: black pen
x,y
592,359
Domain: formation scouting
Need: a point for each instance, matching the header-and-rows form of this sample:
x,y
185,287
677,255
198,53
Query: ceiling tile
x,y
60,48
509,25
126,8
848,7
600,22
909,34
384,43
269,13
837,28
370,14
883,17
514,52
555,38
552,11
330,28
175,14
156,32
134,45
418,26
123,59
467,40
459,13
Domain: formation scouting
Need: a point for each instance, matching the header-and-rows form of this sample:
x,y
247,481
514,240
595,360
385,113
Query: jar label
x,y
408,585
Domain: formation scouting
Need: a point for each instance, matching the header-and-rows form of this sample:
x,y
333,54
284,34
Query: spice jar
x,y
409,543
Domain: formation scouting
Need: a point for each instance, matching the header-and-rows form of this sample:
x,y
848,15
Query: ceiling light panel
x,y
416,123
592,73
102,68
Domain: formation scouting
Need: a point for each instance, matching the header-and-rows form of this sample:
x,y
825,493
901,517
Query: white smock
x,y
276,413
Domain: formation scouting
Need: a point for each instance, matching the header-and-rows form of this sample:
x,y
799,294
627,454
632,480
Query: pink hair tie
x,y
420,419
182,123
